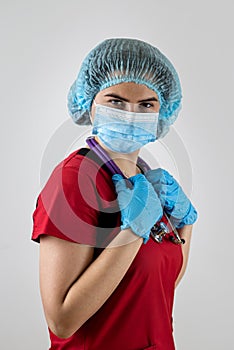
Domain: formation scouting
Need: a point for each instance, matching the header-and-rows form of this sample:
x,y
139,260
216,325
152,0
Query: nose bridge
x,y
131,107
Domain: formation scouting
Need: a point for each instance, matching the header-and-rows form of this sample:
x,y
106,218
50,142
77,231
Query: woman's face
x,y
130,96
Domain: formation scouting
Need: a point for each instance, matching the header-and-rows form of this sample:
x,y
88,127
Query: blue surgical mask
x,y
122,131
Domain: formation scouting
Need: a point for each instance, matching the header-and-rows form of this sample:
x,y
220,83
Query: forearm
x,y
185,233
96,284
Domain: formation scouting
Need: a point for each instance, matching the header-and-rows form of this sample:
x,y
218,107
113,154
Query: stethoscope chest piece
x,y
158,231
162,229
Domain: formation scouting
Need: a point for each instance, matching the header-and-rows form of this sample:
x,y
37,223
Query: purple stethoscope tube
x,y
162,227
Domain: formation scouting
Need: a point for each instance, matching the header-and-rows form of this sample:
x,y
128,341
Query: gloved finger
x,y
157,176
139,181
136,178
120,183
116,177
142,189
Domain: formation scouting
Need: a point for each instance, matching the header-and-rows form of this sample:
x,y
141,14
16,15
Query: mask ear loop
x,y
90,116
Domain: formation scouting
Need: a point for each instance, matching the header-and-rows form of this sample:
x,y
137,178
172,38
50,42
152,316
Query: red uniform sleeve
x,y
68,207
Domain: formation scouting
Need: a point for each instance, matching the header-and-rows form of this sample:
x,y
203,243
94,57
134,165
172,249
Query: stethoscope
x,y
162,228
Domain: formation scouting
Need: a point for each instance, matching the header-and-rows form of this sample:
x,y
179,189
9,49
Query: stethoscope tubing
x,y
157,232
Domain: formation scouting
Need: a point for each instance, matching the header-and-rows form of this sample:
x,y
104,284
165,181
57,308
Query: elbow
x,y
61,320
61,332
62,328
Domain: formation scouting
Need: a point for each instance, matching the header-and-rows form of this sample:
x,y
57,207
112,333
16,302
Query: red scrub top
x,y
78,203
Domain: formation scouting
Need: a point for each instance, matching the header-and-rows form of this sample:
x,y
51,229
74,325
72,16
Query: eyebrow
x,y
126,100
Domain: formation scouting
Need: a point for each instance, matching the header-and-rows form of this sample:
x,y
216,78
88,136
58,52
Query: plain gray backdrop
x,y
42,46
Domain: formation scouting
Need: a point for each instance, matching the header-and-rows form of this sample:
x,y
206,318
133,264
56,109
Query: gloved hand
x,y
139,205
174,201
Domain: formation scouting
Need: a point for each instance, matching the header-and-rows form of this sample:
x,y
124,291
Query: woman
x,y
105,283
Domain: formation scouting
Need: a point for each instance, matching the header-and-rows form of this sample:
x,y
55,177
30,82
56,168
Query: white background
x,y
42,46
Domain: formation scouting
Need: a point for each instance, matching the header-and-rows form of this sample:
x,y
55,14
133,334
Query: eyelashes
x,y
128,106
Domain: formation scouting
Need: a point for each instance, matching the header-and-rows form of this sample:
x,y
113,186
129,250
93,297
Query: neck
x,y
127,162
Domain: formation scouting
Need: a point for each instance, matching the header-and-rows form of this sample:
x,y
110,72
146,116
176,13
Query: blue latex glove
x,y
174,201
139,204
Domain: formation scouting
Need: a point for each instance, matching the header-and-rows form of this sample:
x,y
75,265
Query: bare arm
x,y
186,233
73,288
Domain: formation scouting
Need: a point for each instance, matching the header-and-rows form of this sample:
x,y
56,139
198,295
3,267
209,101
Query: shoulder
x,y
86,162
79,163
78,178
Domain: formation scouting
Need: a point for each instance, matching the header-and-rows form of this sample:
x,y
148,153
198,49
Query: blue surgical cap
x,y
120,60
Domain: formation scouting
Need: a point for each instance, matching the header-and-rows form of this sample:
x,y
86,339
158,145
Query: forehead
x,y
129,90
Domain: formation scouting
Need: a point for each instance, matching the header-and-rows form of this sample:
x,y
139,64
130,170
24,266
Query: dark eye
x,y
115,102
146,105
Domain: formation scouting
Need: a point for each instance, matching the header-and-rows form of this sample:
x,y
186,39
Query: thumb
x,y
120,183
116,178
